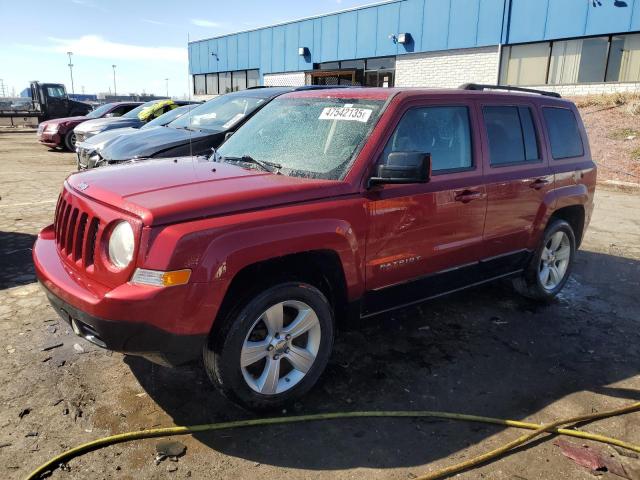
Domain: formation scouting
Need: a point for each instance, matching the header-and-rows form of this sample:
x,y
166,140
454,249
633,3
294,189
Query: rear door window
x,y
121,110
564,134
443,132
511,135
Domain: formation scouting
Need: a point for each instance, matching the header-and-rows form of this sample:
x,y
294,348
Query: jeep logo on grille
x,y
83,186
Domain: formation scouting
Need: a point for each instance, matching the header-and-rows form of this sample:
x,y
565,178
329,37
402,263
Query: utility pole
x,y
71,71
115,94
167,80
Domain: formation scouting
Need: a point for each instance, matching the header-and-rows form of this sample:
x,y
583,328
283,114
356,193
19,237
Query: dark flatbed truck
x,y
48,101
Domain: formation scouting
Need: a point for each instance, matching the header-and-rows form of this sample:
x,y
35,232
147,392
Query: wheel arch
x,y
321,268
574,215
567,203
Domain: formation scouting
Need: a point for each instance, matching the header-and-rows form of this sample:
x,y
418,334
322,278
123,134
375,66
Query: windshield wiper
x,y
270,167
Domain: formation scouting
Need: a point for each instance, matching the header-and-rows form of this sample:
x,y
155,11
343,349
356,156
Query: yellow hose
x,y
538,430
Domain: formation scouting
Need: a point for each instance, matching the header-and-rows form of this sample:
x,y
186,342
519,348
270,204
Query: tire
x,y
70,141
546,274
277,376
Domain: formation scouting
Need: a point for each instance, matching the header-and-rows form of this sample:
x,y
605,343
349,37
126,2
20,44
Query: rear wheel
x,y
273,347
70,141
550,267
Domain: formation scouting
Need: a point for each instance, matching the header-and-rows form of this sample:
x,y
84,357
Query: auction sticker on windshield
x,y
346,113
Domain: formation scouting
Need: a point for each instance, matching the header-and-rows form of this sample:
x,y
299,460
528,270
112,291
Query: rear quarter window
x,y
564,134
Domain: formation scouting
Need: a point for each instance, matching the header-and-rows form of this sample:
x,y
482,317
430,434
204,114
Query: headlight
x,y
94,160
52,127
121,245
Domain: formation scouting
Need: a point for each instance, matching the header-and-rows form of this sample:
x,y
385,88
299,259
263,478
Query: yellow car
x,y
157,109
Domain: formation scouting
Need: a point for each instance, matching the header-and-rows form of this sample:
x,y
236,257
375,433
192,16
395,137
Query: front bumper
x,y
166,325
132,338
50,139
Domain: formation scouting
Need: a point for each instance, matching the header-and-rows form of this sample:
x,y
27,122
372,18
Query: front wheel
x,y
550,267
70,141
273,347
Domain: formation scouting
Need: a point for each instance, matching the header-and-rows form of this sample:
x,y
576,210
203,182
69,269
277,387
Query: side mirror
x,y
404,167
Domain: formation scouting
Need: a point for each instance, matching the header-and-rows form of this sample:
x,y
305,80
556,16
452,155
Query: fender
x,y
217,249
554,200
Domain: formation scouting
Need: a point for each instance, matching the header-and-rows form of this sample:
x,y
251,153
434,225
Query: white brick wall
x,y
291,79
447,68
590,88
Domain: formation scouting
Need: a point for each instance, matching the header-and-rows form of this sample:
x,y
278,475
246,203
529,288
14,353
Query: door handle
x,y
465,196
539,183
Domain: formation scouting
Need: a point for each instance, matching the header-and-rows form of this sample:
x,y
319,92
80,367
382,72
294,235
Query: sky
x,y
145,39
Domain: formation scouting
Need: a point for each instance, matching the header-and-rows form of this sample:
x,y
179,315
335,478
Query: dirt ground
x,y
614,135
485,351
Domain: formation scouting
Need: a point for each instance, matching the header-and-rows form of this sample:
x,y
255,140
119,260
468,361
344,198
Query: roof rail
x,y
480,86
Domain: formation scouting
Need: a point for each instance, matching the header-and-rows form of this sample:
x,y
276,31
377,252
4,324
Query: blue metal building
x,y
584,45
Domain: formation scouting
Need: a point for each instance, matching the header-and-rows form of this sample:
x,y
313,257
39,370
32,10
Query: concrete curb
x,y
618,186
18,130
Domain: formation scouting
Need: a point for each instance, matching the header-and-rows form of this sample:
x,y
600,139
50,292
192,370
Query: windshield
x,y
134,113
169,117
308,137
219,114
100,111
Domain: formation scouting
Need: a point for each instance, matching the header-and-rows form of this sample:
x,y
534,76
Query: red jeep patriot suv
x,y
325,203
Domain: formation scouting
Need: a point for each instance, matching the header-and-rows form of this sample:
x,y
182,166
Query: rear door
x,y
517,178
425,239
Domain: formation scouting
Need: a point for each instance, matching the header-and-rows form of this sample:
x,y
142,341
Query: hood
x,y
59,121
162,192
149,142
98,141
109,123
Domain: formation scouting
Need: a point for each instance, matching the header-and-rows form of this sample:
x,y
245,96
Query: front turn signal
x,y
159,278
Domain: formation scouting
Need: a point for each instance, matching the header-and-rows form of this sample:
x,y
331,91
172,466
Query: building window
x,y
370,72
525,64
239,80
199,85
624,59
356,64
380,72
224,82
578,61
586,60
212,84
253,78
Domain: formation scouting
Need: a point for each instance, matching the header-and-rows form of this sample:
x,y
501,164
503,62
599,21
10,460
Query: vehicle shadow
x,y
485,351
16,266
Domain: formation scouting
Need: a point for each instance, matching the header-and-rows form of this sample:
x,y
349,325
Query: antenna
x,y
189,109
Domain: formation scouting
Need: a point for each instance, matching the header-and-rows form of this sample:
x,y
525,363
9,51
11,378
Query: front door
x,y
425,239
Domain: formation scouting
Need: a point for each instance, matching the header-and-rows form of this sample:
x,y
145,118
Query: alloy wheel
x,y
281,347
554,260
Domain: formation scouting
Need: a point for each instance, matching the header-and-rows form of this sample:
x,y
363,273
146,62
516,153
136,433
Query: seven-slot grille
x,y
40,129
76,233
